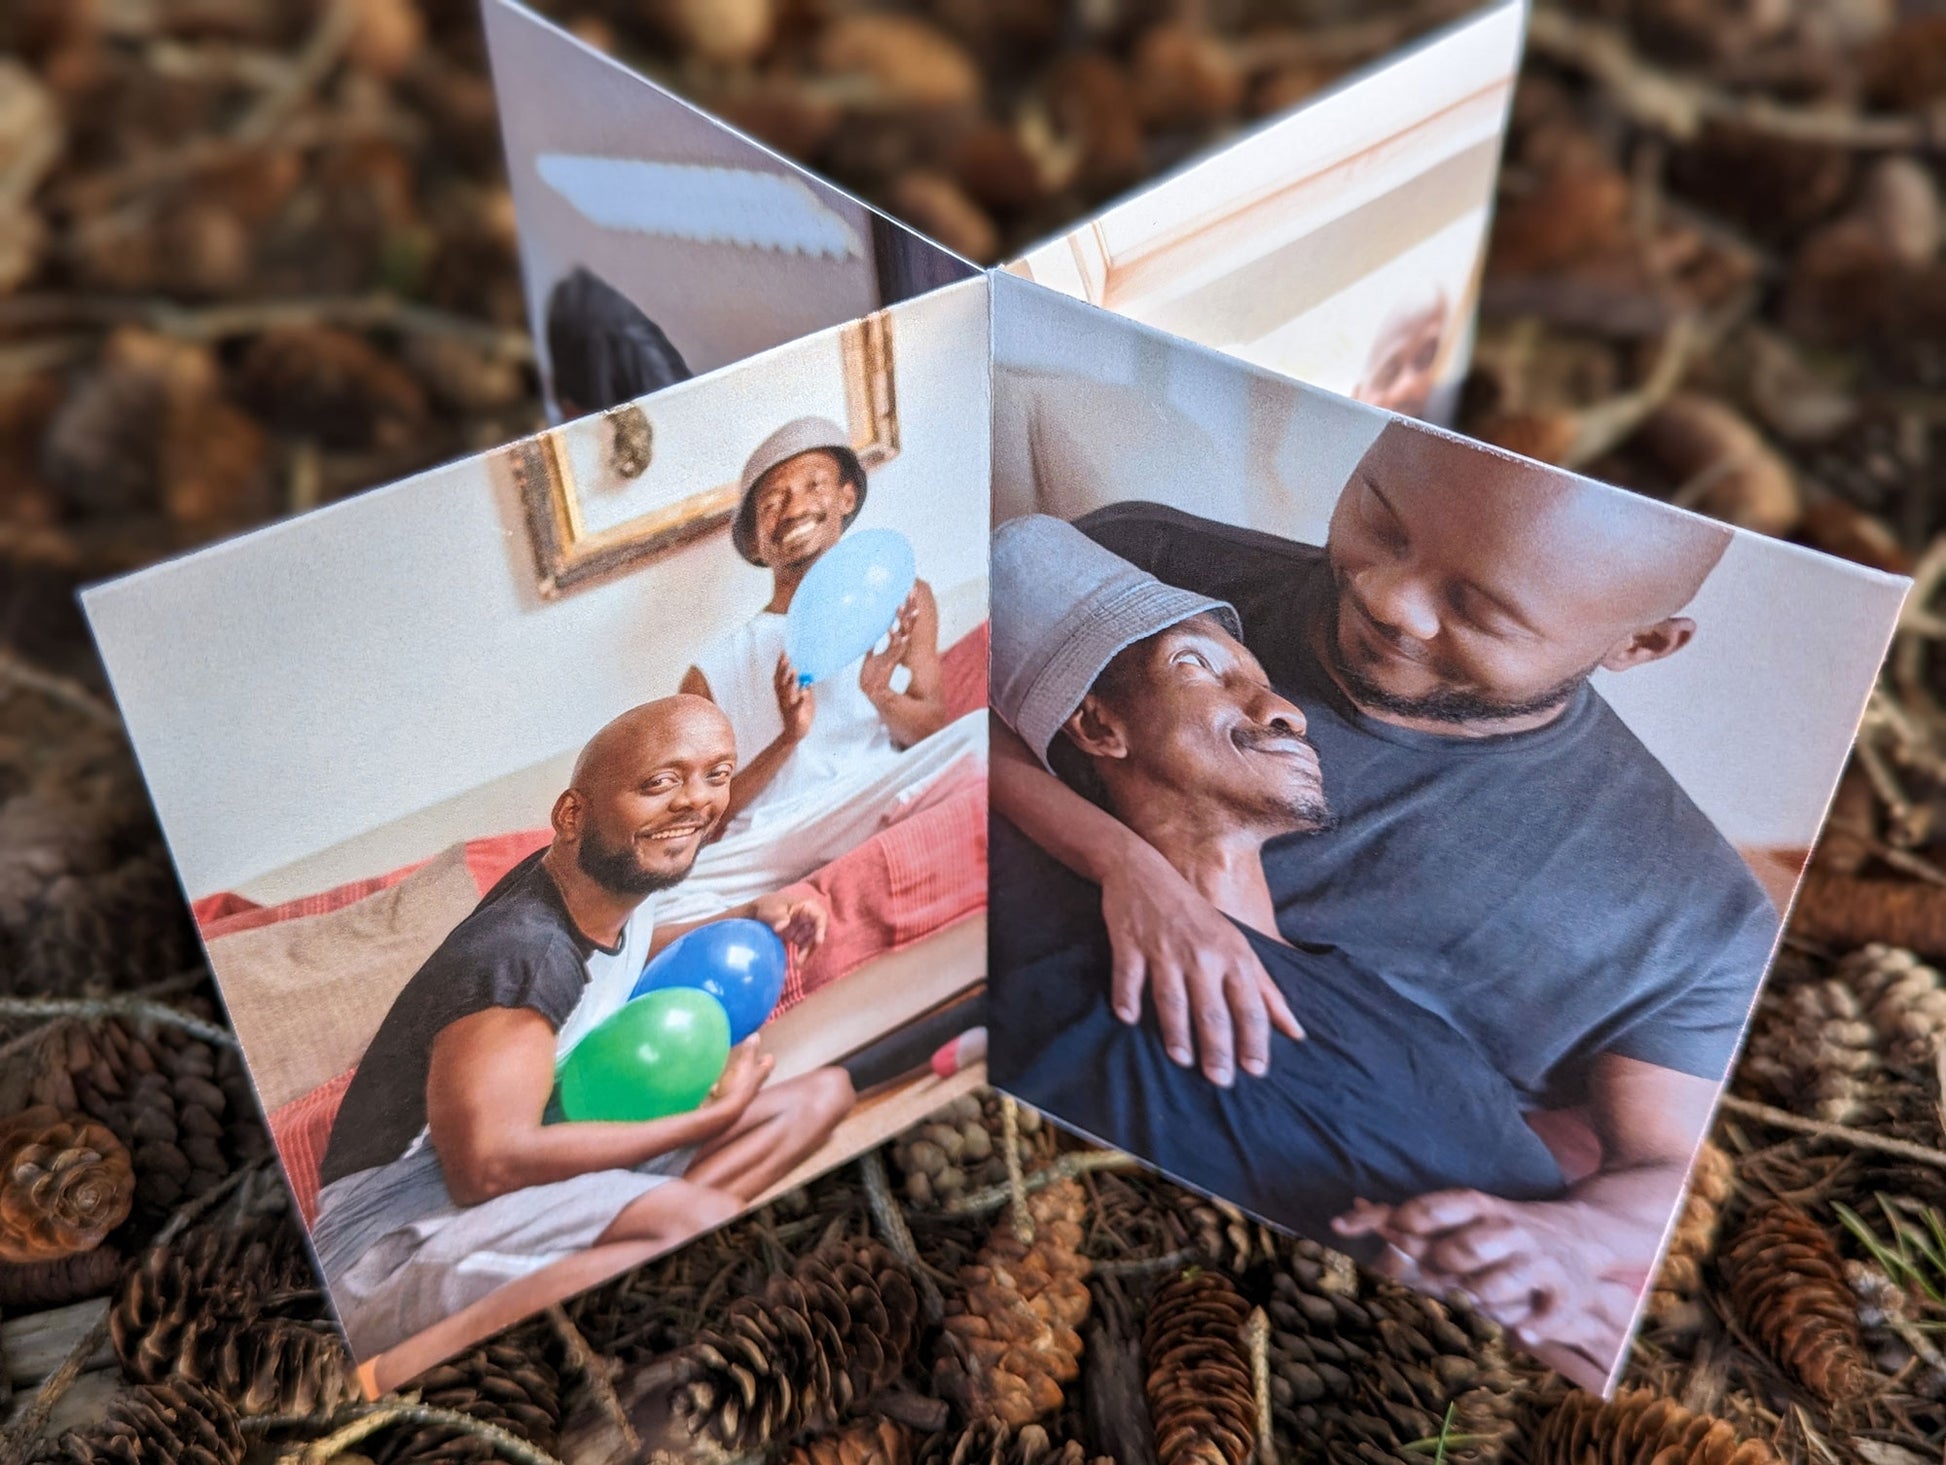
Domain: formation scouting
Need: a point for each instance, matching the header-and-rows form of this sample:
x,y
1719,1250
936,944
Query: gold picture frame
x,y
568,555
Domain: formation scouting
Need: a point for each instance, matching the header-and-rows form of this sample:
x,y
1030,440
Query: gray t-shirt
x,y
1553,894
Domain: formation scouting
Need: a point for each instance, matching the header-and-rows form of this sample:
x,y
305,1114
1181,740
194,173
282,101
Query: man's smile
x,y
675,832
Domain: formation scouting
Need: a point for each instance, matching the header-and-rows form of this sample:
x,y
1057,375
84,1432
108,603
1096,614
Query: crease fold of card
x,y
354,722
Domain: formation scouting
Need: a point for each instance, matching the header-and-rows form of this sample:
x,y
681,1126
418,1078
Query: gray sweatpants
x,y
399,1253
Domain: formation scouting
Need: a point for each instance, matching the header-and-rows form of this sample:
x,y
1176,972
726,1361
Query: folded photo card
x,y
591,838
1494,781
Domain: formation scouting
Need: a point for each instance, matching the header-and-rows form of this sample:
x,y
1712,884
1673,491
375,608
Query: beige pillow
x,y
307,995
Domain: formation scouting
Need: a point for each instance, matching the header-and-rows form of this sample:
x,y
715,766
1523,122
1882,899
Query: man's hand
x,y
1545,1270
875,676
1200,970
795,703
797,913
741,1079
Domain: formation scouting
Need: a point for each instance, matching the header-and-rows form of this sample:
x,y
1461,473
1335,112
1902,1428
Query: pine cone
x,y
961,1148
1904,998
512,1381
1010,1341
1224,1235
800,1354
1639,1428
1787,1286
989,1442
182,1106
333,385
1673,1300
31,1286
870,1442
1365,1369
175,1423
1815,1051
65,1183
110,930
237,1308
1201,1398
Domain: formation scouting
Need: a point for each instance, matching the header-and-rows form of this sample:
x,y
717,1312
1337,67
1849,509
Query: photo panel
x,y
1501,777
495,863
1341,243
657,241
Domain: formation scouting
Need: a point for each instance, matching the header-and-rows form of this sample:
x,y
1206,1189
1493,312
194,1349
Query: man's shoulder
x,y
514,924
1137,517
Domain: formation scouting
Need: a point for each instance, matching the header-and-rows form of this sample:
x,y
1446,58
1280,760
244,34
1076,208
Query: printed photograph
x,y
1390,839
562,923
657,241
1340,244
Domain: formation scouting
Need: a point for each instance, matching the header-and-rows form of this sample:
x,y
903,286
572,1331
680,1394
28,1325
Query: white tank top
x,y
846,735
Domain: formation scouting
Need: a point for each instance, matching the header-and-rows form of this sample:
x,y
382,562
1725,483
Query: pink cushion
x,y
300,1130
963,668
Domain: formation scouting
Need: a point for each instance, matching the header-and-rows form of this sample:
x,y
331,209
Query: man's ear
x,y
566,817
1665,638
848,496
1093,729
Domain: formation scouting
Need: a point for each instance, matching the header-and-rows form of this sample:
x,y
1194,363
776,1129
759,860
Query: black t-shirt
x,y
1553,894
518,948
1382,1100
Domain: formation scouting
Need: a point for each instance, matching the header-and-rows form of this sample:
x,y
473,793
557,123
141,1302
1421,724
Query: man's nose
x,y
1274,712
1398,600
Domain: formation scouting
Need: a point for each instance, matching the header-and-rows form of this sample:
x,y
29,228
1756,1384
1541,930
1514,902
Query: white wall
x,y
316,680
1753,718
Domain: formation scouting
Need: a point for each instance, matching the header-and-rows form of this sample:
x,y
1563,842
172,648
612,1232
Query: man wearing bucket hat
x,y
1505,848
1143,697
829,765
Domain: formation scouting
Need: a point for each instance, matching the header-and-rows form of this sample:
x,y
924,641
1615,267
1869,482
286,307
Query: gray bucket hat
x,y
801,435
1062,608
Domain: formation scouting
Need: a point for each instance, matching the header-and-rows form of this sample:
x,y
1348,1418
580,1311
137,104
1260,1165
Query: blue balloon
x,y
847,601
741,963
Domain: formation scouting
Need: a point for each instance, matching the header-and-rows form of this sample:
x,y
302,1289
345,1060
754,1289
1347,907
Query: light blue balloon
x,y
847,601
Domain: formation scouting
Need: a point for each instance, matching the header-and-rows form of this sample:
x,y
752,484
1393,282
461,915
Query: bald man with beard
x,y
444,1180
1507,854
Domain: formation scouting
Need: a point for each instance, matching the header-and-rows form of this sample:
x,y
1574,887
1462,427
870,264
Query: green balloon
x,y
659,1055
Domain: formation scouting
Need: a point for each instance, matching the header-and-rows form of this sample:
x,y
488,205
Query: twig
x,y
321,53
1823,1129
137,1008
1146,1266
384,1416
594,1369
892,1226
27,1426
977,1202
1010,1154
1256,1333
1679,107
64,690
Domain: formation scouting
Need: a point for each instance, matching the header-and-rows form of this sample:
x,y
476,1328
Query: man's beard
x,y
1449,704
1303,812
615,869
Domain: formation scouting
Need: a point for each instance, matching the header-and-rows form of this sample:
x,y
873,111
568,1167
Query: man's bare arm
x,y
920,710
1201,971
488,1086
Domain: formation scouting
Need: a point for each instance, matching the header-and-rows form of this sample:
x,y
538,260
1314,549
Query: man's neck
x,y
597,912
1224,864
784,580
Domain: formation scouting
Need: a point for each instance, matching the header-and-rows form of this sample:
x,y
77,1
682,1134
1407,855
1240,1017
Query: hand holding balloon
x,y
847,601
796,702
875,676
797,914
747,1071
661,1054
